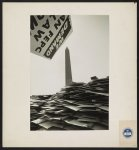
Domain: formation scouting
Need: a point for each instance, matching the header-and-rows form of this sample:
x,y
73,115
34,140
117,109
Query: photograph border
x,y
83,148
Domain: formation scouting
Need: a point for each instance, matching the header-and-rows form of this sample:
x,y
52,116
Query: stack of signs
x,y
48,33
79,106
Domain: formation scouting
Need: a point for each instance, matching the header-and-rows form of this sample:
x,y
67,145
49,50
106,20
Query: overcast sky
x,y
89,53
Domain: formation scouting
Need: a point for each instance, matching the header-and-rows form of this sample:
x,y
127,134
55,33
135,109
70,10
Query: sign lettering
x,y
48,33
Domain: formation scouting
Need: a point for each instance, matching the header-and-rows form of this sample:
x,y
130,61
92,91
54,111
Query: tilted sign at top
x,y
48,33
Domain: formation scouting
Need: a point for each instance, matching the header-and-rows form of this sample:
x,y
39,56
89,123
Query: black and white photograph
x,y
69,75
69,72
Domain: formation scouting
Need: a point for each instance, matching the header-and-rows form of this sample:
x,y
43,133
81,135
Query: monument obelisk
x,y
68,72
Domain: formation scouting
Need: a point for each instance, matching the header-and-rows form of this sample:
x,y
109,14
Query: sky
x,y
89,53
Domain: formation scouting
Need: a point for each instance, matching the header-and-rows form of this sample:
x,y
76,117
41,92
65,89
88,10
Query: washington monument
x,y
68,72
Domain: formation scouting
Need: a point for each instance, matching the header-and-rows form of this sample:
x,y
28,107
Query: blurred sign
x,y
48,33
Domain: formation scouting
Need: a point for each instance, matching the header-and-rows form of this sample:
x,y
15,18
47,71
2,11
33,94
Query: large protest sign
x,y
48,33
